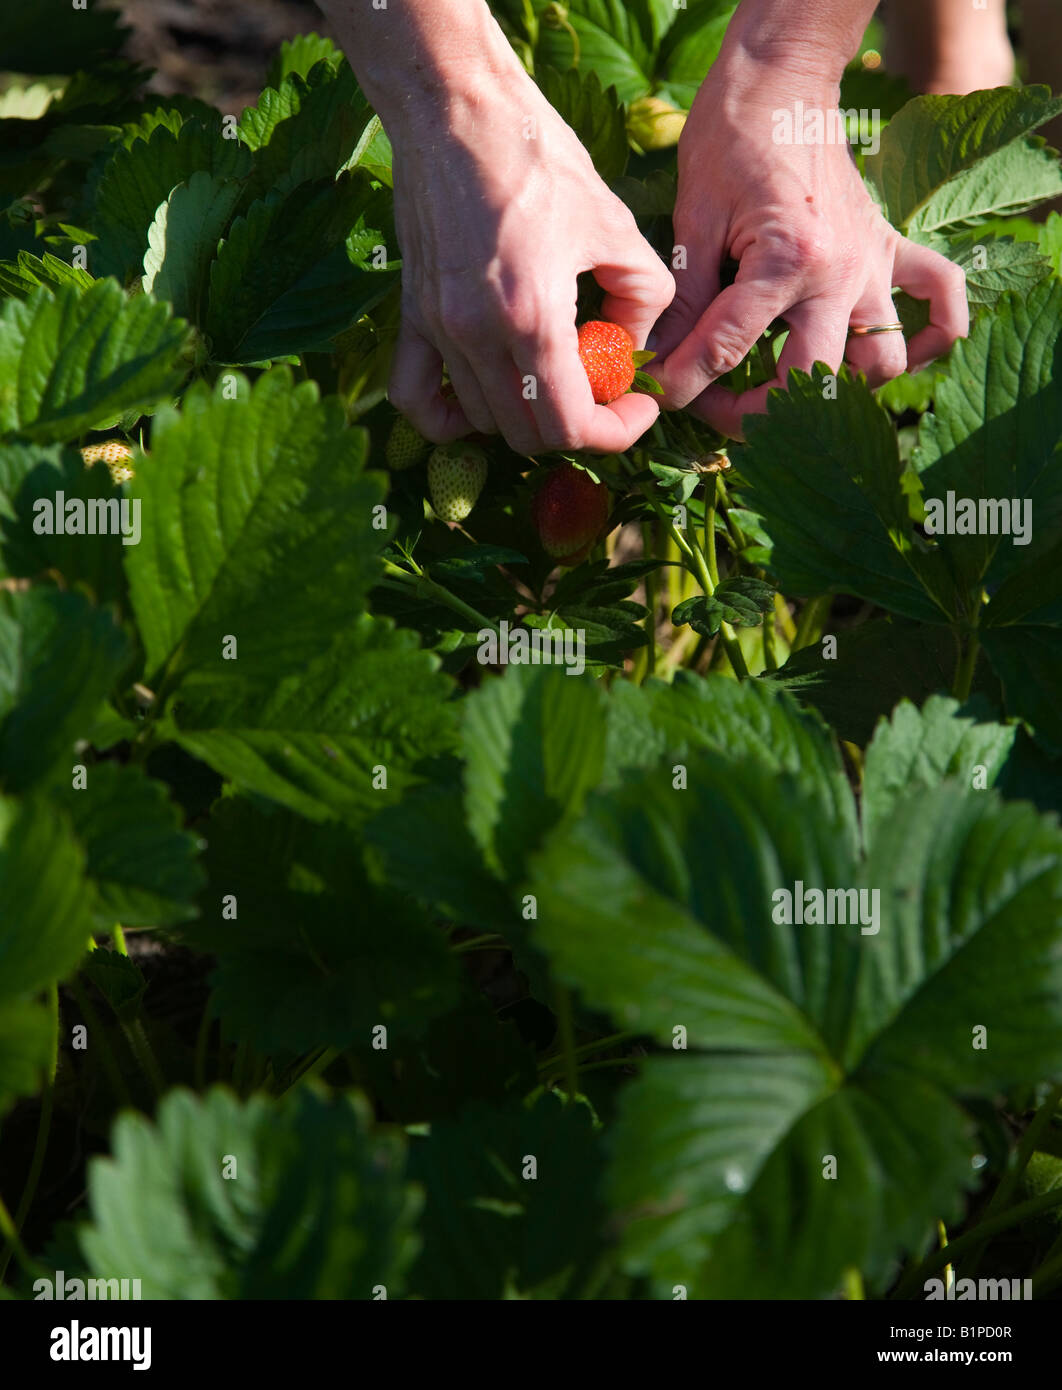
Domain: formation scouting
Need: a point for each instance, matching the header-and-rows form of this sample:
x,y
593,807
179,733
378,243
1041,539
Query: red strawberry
x,y
456,474
569,511
406,446
607,351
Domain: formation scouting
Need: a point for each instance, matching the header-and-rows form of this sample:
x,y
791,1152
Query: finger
x,y
880,356
696,287
724,410
414,388
469,392
638,286
503,383
565,415
723,335
561,403
818,330
925,274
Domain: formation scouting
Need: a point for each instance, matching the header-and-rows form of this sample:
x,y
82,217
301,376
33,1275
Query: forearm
x,y
415,58
808,52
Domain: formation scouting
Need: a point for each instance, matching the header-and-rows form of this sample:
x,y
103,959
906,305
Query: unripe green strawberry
x,y
406,446
456,474
654,123
114,454
607,353
569,511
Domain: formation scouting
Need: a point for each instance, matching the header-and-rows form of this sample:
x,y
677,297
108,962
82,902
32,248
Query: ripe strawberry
x,y
456,474
569,511
406,446
607,353
114,454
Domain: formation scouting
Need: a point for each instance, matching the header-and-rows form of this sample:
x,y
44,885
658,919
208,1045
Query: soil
x,y
218,50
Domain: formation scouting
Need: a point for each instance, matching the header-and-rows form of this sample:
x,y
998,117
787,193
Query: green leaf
x,y
611,40
58,659
44,917
1028,660
308,950
183,238
534,744
281,240
855,1040
947,161
1050,241
874,666
30,473
138,180
118,979
837,516
49,37
257,523
304,129
595,115
299,55
741,601
920,748
141,861
337,734
996,265
661,725
77,360
427,848
22,276
487,1228
315,1206
25,1038
992,437
692,46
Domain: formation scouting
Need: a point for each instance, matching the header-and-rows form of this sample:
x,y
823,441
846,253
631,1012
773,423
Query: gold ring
x,y
875,328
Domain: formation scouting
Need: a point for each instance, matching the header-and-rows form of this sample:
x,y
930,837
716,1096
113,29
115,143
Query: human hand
x,y
494,227
813,250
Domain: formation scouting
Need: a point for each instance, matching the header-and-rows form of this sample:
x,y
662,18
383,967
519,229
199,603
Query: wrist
x,y
417,62
768,57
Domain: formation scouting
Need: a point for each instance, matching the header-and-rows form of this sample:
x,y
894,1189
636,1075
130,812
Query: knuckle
x,y
726,353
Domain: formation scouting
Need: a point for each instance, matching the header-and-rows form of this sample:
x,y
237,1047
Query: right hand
x,y
494,227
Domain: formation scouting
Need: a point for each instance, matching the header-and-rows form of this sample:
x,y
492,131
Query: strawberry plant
x,y
555,877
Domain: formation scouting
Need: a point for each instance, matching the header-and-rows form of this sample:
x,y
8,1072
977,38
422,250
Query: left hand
x,y
813,249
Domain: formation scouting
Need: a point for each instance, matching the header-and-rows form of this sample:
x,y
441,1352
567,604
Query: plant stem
x,y
812,619
770,657
201,1039
96,1031
710,496
1034,1132
587,1048
13,1241
474,943
145,1057
44,1129
398,578
649,550
566,1030
965,670
1013,1216
118,937
853,1286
